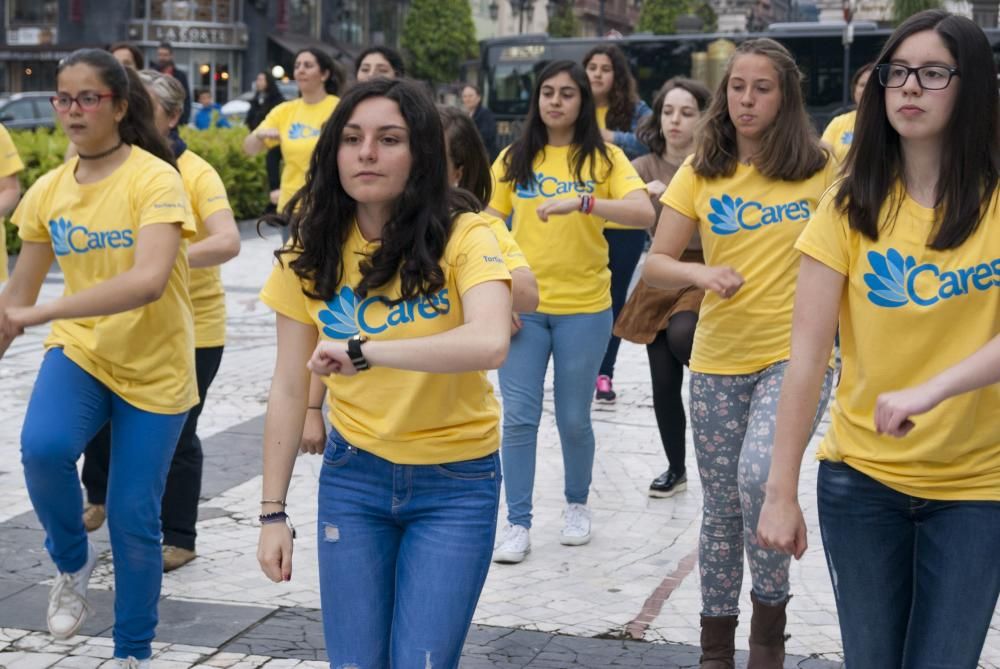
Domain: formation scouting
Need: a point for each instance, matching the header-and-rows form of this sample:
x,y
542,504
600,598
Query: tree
x,y
563,22
659,16
904,9
709,19
439,35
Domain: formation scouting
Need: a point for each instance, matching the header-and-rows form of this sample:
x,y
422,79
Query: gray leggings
x,y
733,418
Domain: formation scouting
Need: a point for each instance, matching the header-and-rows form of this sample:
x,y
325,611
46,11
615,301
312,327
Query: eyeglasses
x,y
929,77
88,101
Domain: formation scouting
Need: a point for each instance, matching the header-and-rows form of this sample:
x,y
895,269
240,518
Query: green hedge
x,y
245,178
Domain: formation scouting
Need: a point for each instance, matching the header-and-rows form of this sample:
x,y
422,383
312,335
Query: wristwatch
x,y
355,354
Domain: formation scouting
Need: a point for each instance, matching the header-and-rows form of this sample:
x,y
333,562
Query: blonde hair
x,y
165,90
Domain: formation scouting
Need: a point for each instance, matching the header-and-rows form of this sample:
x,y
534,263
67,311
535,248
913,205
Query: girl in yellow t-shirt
x,y
839,133
217,240
122,343
755,179
295,125
559,182
394,292
903,255
10,190
619,113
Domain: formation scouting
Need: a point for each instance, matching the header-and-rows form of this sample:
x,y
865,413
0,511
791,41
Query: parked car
x,y
236,109
27,111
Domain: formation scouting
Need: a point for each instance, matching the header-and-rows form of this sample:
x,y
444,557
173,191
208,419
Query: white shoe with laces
x,y
514,547
131,663
576,525
68,605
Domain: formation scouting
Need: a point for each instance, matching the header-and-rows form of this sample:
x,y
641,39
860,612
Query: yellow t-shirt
x,y
208,196
145,355
299,124
750,223
568,254
840,133
513,257
602,123
602,117
10,163
909,312
403,416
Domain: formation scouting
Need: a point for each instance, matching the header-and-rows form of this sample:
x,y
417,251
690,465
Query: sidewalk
x,y
630,598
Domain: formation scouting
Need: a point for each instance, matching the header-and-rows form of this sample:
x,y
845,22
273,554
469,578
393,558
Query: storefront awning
x,y
295,42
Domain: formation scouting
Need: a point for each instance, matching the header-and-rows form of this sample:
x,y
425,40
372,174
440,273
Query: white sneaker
x,y
131,663
514,547
576,525
68,605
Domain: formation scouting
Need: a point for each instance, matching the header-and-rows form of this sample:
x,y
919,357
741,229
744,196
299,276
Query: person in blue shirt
x,y
210,111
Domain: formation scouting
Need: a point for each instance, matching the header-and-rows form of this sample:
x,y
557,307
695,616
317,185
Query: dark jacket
x,y
177,74
260,105
486,123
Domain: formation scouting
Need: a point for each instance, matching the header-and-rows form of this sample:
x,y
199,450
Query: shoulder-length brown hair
x,y
790,148
650,130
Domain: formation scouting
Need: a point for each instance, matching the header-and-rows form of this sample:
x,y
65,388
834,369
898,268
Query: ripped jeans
x,y
403,554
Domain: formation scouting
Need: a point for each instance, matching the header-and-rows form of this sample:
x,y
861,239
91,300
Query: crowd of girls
x,y
767,241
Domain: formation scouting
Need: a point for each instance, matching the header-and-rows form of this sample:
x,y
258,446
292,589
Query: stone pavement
x,y
630,598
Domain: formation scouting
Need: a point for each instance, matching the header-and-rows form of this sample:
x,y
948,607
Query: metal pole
x,y
848,38
600,19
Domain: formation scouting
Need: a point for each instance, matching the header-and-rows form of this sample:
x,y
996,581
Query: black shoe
x,y
668,484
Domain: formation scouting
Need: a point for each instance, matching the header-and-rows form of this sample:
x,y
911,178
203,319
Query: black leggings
x,y
668,354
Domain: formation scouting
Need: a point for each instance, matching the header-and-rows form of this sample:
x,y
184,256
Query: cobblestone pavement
x,y
630,598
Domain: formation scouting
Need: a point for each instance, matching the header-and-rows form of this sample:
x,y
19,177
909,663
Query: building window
x,y
303,17
33,12
203,11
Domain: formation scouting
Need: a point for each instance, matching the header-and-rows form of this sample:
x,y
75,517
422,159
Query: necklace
x,y
102,154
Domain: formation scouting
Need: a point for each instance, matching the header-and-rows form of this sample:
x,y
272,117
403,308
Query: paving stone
x,y
204,623
28,660
27,610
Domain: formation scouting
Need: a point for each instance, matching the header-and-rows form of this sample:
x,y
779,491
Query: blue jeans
x,y
576,343
916,580
67,408
403,555
625,248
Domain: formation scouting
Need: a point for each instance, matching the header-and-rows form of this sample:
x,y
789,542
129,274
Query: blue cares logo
x,y
847,137
730,215
345,317
302,131
546,186
896,280
68,238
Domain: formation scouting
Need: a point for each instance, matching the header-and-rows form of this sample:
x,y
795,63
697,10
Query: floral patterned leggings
x,y
733,419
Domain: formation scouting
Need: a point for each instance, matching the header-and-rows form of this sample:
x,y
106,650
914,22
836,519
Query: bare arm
x,y
814,327
286,410
314,429
256,141
481,342
663,269
22,290
10,193
633,210
524,290
155,253
221,244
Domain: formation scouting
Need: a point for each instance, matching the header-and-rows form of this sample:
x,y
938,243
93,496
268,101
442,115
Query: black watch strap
x,y
355,354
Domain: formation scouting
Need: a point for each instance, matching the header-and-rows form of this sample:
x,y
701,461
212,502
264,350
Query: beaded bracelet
x,y
276,517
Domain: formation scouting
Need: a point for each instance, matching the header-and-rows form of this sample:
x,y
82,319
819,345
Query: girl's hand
x,y
725,281
608,135
268,134
515,323
557,206
15,319
274,551
331,358
656,188
893,410
781,527
313,433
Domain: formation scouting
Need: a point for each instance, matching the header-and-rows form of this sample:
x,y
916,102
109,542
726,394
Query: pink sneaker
x,y
605,391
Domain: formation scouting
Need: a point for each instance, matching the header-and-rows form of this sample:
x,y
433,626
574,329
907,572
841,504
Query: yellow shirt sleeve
x,y
275,120
282,292
623,178
513,257
502,190
475,255
681,191
28,218
209,196
10,160
825,237
163,200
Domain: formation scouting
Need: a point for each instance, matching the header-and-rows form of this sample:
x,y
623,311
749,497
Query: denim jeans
x,y
625,248
403,555
576,343
916,580
67,408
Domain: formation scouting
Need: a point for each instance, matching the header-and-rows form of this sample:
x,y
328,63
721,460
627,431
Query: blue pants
x,y
576,343
916,580
67,408
403,554
624,251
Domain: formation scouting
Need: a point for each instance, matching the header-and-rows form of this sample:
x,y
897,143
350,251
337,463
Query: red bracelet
x,y
591,201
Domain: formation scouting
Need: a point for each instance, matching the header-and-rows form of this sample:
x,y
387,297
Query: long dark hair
x,y
970,150
650,130
271,90
326,64
624,95
140,61
587,141
414,238
790,149
137,127
391,55
466,150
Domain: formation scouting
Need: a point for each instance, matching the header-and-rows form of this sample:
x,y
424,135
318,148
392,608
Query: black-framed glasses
x,y
88,100
929,77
